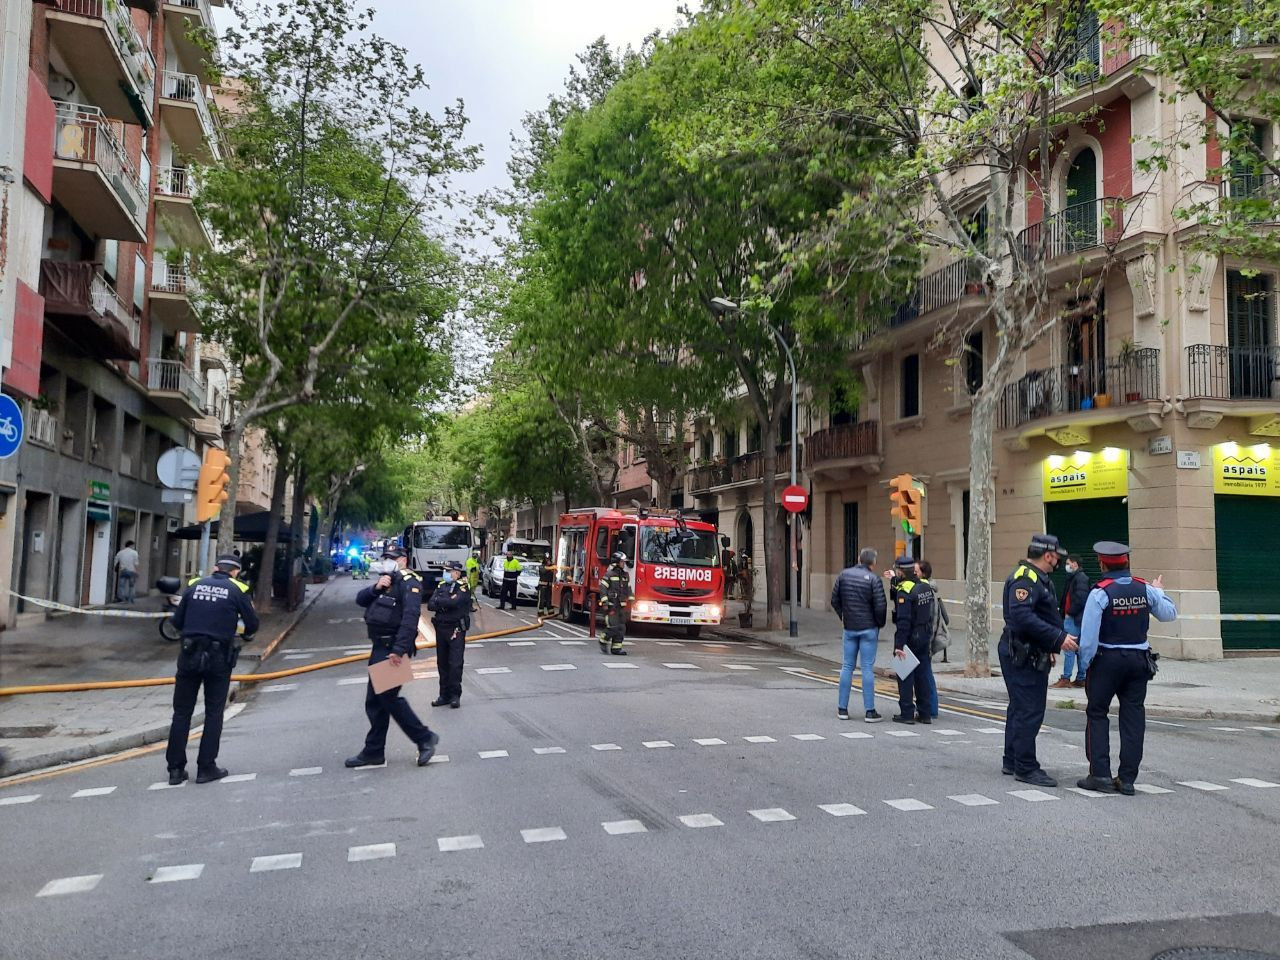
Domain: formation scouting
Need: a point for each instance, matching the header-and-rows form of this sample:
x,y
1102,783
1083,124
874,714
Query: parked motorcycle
x,y
171,587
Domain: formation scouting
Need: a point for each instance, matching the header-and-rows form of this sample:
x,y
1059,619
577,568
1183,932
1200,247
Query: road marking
x,y
841,809
1150,788
1202,785
187,871
1085,792
558,666
522,643
542,834
1228,729
739,666
1251,782
306,771
1264,729
682,666
771,815
279,861
701,820
669,643
807,736
25,798
654,744
240,778
298,656
989,730
857,735
573,643
621,666
492,754
348,681
373,851
1032,796
616,828
949,733
438,758
606,746
543,751
974,800
487,670
901,733
759,739
166,785
454,844
58,888
908,803
279,687
709,742
93,792
1166,723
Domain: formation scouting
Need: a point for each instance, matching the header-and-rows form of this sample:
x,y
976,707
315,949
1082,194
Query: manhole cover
x,y
1212,953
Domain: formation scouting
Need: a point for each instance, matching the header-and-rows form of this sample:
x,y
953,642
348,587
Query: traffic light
x,y
908,502
211,488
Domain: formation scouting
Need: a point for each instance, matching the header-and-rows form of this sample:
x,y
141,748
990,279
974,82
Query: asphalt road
x,y
694,799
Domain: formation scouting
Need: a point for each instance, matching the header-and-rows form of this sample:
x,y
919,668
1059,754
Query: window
x,y
910,401
139,281
1250,335
843,409
602,543
1247,175
110,260
707,446
753,438
729,444
974,367
850,534
439,536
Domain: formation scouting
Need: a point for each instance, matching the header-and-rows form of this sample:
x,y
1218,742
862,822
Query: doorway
x,y
1079,524
33,569
1080,210
97,555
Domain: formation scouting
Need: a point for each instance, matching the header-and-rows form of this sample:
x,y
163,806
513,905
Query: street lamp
x,y
723,307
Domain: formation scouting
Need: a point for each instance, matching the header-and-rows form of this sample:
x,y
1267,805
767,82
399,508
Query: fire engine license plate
x,y
682,619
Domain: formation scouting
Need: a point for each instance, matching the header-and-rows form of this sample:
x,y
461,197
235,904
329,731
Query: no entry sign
x,y
795,498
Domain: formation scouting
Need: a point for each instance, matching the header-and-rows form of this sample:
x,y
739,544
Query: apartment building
x,y
106,353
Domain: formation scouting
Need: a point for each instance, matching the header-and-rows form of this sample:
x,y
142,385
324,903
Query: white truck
x,y
433,543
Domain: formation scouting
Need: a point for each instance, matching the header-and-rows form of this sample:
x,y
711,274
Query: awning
x,y
250,528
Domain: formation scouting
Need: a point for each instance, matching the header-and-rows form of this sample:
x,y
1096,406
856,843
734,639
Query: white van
x,y
433,543
539,550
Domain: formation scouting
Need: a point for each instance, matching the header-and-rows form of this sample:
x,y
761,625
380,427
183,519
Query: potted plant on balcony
x,y
747,590
1128,362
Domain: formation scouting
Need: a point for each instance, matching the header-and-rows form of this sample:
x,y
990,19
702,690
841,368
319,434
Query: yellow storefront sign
x,y
1086,476
1253,471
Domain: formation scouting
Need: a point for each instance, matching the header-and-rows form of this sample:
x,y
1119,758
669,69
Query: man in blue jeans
x,y
858,598
1074,597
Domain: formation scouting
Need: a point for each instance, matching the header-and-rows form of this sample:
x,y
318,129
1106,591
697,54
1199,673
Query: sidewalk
x,y
44,729
1238,688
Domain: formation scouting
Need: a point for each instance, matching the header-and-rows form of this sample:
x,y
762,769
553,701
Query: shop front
x,y
1246,503
1086,500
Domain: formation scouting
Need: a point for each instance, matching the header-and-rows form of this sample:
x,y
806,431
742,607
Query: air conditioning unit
x,y
172,524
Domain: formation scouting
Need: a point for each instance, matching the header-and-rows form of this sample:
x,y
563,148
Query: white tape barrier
x,y
1246,617
129,614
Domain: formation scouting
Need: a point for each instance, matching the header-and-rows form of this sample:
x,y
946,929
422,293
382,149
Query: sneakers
x,y
1061,683
209,774
427,749
177,776
360,760
902,718
1097,784
842,713
872,717
1037,778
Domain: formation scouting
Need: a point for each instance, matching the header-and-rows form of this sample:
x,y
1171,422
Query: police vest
x,y
511,569
922,597
1128,614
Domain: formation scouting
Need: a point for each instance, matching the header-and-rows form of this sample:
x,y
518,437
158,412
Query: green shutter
x,y
1080,524
1246,569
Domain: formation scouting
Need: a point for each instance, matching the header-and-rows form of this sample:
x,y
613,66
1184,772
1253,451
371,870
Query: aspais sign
x,y
1253,471
1086,476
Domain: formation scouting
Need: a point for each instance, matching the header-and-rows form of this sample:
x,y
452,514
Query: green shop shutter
x,y
1246,569
1079,524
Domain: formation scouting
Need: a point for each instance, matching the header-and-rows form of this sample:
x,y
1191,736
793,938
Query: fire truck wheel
x,y
566,607
693,632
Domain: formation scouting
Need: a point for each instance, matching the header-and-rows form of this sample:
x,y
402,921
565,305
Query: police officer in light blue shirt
x,y
1118,661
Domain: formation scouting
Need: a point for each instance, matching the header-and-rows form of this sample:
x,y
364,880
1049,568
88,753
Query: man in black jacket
x,y
1074,596
858,598
392,606
451,604
915,605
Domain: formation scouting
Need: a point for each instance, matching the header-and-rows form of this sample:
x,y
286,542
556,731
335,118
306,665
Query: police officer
x,y
546,576
208,616
511,568
1032,635
392,607
1117,657
615,594
473,577
451,604
915,608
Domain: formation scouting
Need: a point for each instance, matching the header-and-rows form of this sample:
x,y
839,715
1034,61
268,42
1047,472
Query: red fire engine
x,y
674,565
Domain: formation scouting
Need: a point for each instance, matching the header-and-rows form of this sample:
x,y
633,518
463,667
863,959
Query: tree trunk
x,y
262,591
978,579
295,519
232,435
774,548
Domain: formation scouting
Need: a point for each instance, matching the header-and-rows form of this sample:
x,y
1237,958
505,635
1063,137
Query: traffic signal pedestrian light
x,y
211,488
908,501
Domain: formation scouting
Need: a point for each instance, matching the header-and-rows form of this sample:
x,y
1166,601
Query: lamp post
x,y
723,306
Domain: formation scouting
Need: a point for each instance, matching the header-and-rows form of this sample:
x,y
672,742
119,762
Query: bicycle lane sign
x,y
11,426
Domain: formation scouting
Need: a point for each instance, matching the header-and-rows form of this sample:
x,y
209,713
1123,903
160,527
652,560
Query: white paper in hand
x,y
904,666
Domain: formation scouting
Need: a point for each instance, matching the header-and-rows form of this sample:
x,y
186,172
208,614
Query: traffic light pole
x,y
202,561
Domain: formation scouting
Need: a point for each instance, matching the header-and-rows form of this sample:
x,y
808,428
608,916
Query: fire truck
x,y
673,563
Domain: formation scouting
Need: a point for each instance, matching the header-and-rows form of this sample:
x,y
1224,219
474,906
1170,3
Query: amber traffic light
x,y
211,488
907,499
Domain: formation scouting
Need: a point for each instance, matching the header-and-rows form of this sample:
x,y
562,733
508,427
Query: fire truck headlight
x,y
644,606
714,612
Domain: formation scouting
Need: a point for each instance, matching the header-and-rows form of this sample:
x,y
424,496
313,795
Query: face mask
x,y
382,567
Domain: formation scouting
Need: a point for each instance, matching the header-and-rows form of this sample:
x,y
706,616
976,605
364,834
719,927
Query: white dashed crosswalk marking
x,y
1266,729
306,771
522,643
682,666
573,643
974,800
1204,785
239,778
739,666
857,735
1228,729
617,828
454,844
701,820
187,871
760,739
58,888
1150,788
438,758
1252,782
166,785
542,751
614,665
908,804
949,733
279,687
841,809
771,815
279,861
489,670
372,851
350,681
25,798
558,666
902,733
605,746
493,754
1085,792
655,744
1032,796
93,792
298,656
709,742
989,730
807,736
543,834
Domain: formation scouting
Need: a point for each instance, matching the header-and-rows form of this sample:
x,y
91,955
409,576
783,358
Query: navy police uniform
x,y
1032,632
615,594
391,616
915,606
451,604
208,616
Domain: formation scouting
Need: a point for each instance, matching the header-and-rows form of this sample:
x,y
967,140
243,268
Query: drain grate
x,y
1212,953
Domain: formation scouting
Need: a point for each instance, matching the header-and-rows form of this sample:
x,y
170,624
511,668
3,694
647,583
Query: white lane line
x,y
573,643
901,733
1252,782
807,736
492,754
58,888
453,844
438,758
654,744
1265,729
701,820
949,733
989,730
857,735
166,785
1166,723
1032,796
669,643
93,792
760,739
187,871
543,751
488,670
771,815
739,666
348,681
279,687
372,851
621,666
1150,788
25,798
973,800
239,778
542,834
522,643
605,746
908,803
1228,729
1204,785
617,828
709,742
279,861
558,666
682,666
1085,792
298,656
306,771
841,809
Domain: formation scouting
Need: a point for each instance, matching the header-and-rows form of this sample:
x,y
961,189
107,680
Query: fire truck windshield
x,y
690,548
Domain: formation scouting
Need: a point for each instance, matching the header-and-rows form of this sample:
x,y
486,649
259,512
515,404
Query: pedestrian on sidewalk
x,y
208,615
126,564
858,599
915,602
392,606
1033,635
451,604
1117,656
1074,595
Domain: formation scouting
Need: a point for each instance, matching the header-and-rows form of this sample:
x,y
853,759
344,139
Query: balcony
x,y
175,388
742,471
81,305
217,410
175,204
842,450
1106,66
190,25
1241,381
1076,230
43,428
171,291
945,287
1252,197
112,66
1066,402
93,177
186,114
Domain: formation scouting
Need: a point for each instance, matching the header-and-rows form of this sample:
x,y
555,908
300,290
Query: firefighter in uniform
x,y
546,576
208,616
473,576
392,606
1032,636
615,594
511,568
451,604
914,609
1119,662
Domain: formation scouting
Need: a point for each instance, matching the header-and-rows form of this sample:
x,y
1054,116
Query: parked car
x,y
526,585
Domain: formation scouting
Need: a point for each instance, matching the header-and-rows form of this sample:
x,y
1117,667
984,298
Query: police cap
x,y
395,553
1111,551
228,562
1047,543
453,565
906,562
